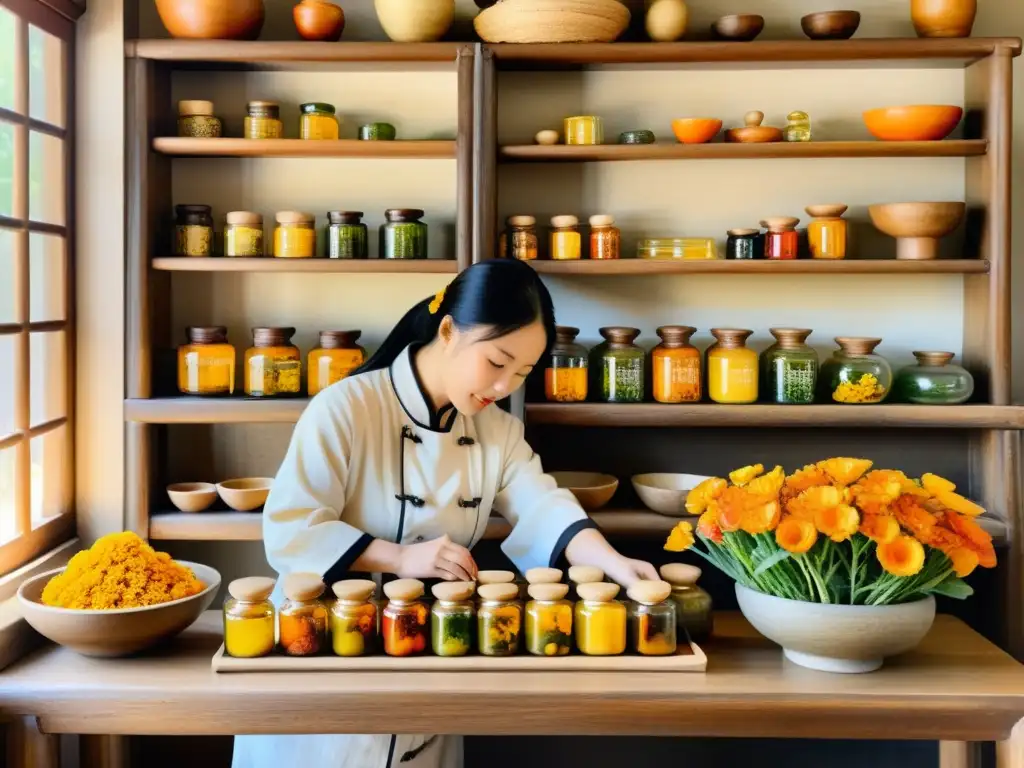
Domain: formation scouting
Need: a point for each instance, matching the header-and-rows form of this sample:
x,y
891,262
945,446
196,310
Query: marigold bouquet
x,y
838,532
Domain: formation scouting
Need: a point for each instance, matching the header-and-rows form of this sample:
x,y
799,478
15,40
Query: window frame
x,y
56,17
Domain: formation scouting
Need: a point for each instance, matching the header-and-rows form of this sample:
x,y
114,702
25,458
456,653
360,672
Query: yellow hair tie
x,y
435,305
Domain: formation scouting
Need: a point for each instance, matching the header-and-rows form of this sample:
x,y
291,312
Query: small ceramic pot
x,y
415,21
943,18
319,20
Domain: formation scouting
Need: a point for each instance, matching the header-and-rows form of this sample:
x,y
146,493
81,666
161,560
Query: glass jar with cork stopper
x,y
294,235
451,618
617,368
353,619
789,368
732,367
197,121
548,620
499,619
263,120
600,620
582,574
249,626
605,237
675,366
302,620
854,374
243,234
934,380
273,366
491,577
652,619
336,357
206,365
519,240
694,616
565,241
565,377
405,627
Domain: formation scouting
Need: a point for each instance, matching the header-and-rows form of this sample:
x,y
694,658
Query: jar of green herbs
x,y
789,368
452,618
346,235
617,366
403,235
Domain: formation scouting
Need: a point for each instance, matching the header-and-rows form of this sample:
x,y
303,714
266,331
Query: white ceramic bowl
x,y
119,631
665,492
192,497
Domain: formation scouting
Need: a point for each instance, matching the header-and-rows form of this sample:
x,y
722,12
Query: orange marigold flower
x,y
880,528
767,486
935,484
708,526
844,471
807,503
744,475
943,539
964,561
912,516
762,518
838,523
958,503
975,538
706,491
731,505
801,480
796,535
878,488
681,537
904,556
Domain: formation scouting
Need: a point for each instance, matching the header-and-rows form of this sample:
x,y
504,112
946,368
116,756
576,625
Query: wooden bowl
x,y
319,20
592,489
665,492
552,21
917,227
212,19
246,493
115,632
918,122
739,27
830,25
415,21
696,130
192,497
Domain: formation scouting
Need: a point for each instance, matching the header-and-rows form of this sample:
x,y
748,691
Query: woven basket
x,y
552,21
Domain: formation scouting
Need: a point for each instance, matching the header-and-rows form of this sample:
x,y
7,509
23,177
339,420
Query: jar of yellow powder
x,y
566,243
336,357
600,620
295,235
318,121
263,120
652,618
273,365
243,234
249,618
206,365
499,619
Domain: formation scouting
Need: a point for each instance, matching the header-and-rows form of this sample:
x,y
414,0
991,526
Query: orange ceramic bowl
x,y
920,122
696,130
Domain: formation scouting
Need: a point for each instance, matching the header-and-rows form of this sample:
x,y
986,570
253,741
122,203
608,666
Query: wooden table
x,y
956,688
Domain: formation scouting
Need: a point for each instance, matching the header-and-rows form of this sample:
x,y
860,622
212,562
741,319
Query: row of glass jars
x,y
271,367
196,119
490,620
787,372
565,243
403,235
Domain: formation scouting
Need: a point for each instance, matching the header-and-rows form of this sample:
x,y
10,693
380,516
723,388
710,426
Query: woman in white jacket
x,y
396,470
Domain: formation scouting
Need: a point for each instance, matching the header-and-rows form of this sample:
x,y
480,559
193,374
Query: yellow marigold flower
x,y
761,519
767,487
681,537
865,390
796,535
903,556
819,497
880,528
744,475
838,523
935,484
964,561
698,498
708,526
958,503
844,471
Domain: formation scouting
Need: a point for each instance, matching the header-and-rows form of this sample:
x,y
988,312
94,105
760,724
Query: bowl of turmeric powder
x,y
117,598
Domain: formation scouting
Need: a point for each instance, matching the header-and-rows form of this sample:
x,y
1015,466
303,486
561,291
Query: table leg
x,y
959,754
1010,753
103,752
28,747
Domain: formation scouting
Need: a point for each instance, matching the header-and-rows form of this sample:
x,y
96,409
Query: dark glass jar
x,y
617,367
193,230
565,377
789,368
346,235
403,235
744,244
694,616
933,381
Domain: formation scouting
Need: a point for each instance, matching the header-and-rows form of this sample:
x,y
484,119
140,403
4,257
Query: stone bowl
x,y
665,492
738,27
830,25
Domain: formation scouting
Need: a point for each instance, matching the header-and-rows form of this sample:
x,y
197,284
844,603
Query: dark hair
x,y
503,294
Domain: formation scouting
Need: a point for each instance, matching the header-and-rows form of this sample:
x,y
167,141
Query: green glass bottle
x,y
933,381
617,367
789,368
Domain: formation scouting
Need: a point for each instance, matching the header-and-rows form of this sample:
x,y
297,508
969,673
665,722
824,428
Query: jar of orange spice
x,y
302,620
675,366
565,377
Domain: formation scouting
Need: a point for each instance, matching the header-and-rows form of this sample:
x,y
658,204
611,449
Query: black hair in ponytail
x,y
503,294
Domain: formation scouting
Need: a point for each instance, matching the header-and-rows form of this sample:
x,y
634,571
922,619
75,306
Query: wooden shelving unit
x,y
616,267
356,266
175,146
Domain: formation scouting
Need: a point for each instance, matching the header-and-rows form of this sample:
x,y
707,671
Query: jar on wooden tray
x,y
826,232
197,121
565,377
347,235
318,122
243,234
781,242
566,242
263,120
789,368
854,374
206,365
491,577
403,235
582,574
334,359
605,237
934,380
583,129
249,622
353,619
452,625
499,619
295,235
652,618
744,244
302,620
273,365
193,230
617,366
694,608
600,620
406,627
732,367
548,620
675,366
519,239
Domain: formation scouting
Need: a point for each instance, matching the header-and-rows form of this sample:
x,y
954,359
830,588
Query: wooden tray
x,y
688,659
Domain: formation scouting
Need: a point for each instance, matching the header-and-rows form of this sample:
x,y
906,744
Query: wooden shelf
x,y
572,153
177,146
214,410
888,52
760,267
262,54
270,264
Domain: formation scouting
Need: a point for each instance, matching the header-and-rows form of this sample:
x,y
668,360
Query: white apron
x,y
369,459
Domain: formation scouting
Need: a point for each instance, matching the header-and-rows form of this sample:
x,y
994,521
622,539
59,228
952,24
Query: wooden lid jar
x,y
404,591
498,593
543,576
303,587
597,592
585,574
548,592
453,592
354,591
494,577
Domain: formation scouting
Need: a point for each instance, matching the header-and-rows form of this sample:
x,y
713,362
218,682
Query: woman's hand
x,y
626,572
589,547
437,559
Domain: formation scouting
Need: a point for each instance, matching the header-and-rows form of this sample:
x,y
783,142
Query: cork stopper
x,y
742,232
453,591
597,592
303,586
338,339
619,334
272,337
543,576
498,592
404,590
934,358
548,591
680,574
789,338
649,592
585,574
494,577
244,218
676,335
558,222
251,589
190,107
354,590
602,220
731,338
857,345
522,221
207,334
294,217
